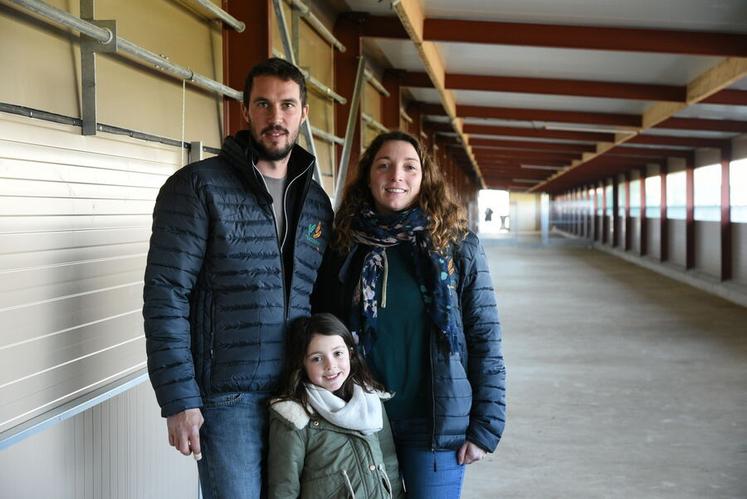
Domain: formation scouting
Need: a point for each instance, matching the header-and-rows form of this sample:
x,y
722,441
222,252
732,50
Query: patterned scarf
x,y
433,271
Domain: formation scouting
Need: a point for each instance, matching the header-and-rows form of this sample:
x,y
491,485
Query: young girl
x,y
329,434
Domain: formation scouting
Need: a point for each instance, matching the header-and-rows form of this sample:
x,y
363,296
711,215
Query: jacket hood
x,y
240,153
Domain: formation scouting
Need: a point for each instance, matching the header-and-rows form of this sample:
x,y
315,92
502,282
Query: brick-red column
x,y
615,214
347,29
663,222
690,212
413,110
243,50
643,233
628,222
390,105
725,214
605,215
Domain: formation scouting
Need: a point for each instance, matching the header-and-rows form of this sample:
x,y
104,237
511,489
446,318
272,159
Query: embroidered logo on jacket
x,y
313,233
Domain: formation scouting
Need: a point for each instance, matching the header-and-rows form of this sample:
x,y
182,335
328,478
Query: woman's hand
x,y
469,453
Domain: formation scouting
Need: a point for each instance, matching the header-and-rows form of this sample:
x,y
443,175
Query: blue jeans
x,y
430,474
233,441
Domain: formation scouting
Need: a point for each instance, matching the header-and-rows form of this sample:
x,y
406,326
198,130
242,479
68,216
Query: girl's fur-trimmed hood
x,y
295,414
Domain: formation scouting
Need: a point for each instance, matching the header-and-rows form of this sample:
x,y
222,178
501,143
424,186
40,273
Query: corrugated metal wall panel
x,y
115,450
75,216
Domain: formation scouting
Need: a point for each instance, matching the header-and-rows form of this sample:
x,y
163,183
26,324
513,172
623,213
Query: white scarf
x,y
362,413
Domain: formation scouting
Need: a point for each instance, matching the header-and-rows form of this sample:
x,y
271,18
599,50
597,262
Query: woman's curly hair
x,y
447,221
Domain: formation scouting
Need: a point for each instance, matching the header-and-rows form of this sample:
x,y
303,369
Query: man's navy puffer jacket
x,y
217,297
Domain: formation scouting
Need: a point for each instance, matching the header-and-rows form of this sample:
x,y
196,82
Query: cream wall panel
x,y
39,63
525,218
45,64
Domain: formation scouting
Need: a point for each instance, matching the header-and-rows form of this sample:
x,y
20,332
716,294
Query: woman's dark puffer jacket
x,y
217,297
469,386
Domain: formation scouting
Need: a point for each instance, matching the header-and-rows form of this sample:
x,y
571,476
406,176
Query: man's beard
x,y
275,155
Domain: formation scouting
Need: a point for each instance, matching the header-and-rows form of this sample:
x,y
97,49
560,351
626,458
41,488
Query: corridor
x,y
622,383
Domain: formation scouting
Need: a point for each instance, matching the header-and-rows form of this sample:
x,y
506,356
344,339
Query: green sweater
x,y
399,356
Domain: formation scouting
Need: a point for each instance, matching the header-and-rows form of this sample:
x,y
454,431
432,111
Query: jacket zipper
x,y
433,400
285,235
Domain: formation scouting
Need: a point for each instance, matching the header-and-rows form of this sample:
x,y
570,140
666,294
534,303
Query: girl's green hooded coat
x,y
311,458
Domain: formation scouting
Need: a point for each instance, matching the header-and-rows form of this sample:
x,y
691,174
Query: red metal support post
x,y
690,212
643,232
628,222
243,50
615,214
605,215
348,30
663,223
726,264
390,106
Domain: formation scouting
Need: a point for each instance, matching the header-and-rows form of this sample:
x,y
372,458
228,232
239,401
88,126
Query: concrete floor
x,y
621,382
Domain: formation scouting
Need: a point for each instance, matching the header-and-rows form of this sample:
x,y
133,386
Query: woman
x,y
412,284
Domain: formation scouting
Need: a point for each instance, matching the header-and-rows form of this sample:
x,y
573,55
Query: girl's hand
x,y
469,453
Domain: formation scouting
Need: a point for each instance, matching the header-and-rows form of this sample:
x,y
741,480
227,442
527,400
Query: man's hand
x,y
468,453
184,432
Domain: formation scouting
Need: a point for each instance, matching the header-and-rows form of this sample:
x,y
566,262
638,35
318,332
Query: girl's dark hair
x,y
297,341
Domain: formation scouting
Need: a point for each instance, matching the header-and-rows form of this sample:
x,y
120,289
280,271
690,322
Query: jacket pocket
x,y
222,400
332,486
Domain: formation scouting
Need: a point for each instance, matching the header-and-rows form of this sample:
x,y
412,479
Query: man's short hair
x,y
279,68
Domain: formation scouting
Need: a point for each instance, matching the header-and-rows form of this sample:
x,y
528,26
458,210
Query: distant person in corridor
x,y
412,283
237,241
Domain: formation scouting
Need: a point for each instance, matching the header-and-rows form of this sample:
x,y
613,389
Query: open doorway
x,y
493,206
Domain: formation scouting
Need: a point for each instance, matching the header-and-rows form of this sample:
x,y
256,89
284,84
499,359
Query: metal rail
x,y
315,23
342,171
315,84
221,14
306,126
371,122
376,84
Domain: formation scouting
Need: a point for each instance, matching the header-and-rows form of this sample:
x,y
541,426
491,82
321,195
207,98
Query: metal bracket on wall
x,y
88,49
195,151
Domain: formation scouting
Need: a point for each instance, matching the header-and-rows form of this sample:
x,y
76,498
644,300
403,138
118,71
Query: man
x,y
237,241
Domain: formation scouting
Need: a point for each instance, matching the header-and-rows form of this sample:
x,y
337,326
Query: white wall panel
x,y
115,450
75,216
